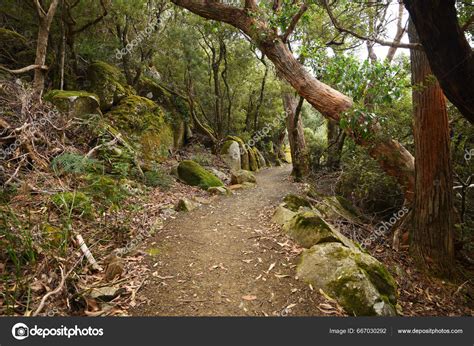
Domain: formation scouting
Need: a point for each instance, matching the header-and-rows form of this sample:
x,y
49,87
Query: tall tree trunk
x,y
336,138
45,20
299,155
394,159
433,237
448,51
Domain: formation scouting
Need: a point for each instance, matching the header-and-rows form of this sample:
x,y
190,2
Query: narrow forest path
x,y
228,259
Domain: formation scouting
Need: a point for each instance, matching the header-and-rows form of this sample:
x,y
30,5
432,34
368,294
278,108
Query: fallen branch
x,y
25,69
85,250
49,294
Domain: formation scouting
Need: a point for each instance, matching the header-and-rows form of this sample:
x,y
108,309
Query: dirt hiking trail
x,y
228,259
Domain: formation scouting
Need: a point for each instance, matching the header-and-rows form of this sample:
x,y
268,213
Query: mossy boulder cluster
x,y
144,123
335,264
148,133
192,173
251,159
77,104
108,83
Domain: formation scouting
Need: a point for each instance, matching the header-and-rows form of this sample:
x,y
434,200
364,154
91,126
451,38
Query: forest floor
x,y
228,259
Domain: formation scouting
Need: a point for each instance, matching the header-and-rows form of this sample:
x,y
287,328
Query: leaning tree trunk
x,y
432,240
394,159
299,155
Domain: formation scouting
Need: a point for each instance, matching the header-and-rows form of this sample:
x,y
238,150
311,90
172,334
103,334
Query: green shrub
x,y
75,164
16,240
105,189
158,178
204,159
73,203
363,180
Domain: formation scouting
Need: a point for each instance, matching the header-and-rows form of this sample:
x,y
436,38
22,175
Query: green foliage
x,y
105,190
158,177
74,163
16,240
203,158
73,203
365,184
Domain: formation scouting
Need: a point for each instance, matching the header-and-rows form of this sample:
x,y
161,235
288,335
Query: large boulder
x,y
244,153
242,176
356,280
192,173
77,104
179,109
308,228
336,207
230,153
295,202
143,123
282,215
107,82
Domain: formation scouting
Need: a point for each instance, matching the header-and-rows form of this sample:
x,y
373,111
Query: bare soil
x,y
228,259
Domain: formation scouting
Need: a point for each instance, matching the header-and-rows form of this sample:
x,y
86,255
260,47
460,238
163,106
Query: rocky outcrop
x,y
244,154
242,176
230,153
253,160
335,264
77,104
194,174
359,282
295,202
107,82
143,122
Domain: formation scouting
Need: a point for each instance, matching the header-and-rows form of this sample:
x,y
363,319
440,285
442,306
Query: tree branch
x,y
25,69
294,22
336,24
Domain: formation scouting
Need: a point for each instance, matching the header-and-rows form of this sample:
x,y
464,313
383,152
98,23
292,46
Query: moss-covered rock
x,y
335,207
253,160
194,174
176,107
308,228
107,82
77,104
143,122
282,215
242,176
244,154
295,202
333,267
